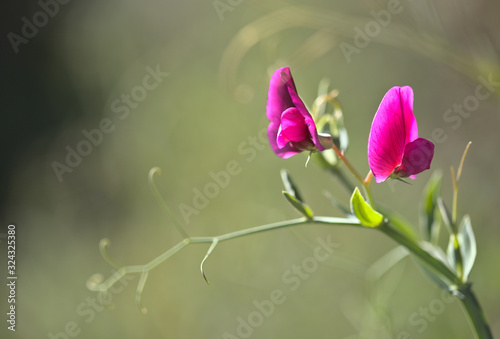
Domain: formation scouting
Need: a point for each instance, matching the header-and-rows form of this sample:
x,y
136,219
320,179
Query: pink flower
x,y
292,129
394,148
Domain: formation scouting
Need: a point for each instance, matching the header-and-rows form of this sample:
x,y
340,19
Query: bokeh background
x,y
67,77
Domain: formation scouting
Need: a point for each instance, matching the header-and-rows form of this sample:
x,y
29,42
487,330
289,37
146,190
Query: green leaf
x,y
451,253
363,211
467,243
435,251
433,275
299,205
430,272
293,196
429,223
290,186
462,249
445,215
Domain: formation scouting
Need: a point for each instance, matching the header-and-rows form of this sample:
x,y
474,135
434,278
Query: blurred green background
x,y
72,75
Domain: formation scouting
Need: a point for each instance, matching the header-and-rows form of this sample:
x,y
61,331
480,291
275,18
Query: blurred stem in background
x,y
335,24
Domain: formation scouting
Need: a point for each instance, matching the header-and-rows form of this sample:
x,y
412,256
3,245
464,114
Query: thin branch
x,y
341,156
116,276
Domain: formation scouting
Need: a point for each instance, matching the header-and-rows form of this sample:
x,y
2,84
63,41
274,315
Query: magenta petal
x,y
417,157
277,102
393,126
278,98
286,77
283,95
284,152
311,125
293,125
281,139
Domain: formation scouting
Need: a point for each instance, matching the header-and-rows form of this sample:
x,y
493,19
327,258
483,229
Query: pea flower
x,y
394,148
292,129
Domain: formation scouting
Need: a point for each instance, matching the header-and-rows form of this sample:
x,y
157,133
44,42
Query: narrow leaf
x,y
299,205
290,186
467,243
430,272
363,211
433,275
445,215
451,253
428,222
436,252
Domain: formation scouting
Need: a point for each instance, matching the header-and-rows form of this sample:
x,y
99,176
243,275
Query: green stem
x,y
364,182
456,183
475,312
465,293
418,251
368,193
351,168
454,208
269,227
162,203
252,230
108,283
